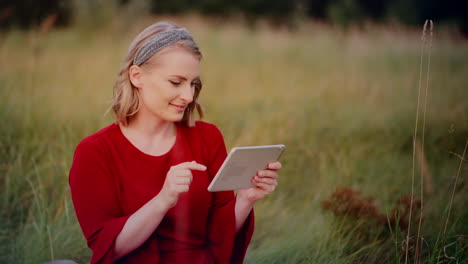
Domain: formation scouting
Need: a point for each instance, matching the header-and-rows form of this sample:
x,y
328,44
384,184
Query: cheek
x,y
157,97
148,96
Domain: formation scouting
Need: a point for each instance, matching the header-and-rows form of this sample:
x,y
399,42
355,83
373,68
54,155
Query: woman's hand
x,y
141,224
178,180
265,183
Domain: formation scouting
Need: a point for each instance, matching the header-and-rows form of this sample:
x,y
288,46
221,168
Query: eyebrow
x,y
185,79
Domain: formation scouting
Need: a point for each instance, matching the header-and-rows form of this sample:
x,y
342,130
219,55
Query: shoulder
x,y
205,131
207,138
208,129
100,134
96,141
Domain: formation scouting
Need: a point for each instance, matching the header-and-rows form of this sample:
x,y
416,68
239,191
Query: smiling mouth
x,y
180,108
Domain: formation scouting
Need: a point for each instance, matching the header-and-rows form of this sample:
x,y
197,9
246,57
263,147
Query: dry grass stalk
x,y
462,159
424,168
423,41
454,188
423,162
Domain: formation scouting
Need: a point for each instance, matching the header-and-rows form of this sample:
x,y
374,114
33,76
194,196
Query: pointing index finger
x,y
194,166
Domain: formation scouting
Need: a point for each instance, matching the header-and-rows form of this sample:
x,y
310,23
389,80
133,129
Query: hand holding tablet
x,y
242,164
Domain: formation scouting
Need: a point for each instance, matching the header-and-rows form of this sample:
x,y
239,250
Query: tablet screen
x,y
242,164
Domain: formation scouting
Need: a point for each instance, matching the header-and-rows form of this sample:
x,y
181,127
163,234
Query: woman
x,y
139,186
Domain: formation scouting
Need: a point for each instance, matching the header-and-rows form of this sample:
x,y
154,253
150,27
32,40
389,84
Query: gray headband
x,y
159,42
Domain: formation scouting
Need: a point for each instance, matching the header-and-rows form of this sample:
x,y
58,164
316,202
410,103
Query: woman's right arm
x,y
141,224
110,234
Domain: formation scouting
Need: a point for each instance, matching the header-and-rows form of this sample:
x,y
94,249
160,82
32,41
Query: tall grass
x,y
343,103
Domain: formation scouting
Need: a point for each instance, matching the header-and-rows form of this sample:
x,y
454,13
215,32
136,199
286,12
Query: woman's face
x,y
167,83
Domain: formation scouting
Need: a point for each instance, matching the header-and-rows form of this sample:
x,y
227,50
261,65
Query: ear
x,y
136,76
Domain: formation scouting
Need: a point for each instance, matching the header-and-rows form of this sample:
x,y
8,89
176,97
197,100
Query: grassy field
x,y
344,104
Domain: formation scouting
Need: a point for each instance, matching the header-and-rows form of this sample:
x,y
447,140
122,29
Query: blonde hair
x,y
125,102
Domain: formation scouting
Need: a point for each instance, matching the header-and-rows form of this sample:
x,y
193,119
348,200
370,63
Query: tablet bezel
x,y
245,180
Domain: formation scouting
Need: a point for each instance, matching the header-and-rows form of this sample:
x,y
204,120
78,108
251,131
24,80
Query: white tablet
x,y
242,164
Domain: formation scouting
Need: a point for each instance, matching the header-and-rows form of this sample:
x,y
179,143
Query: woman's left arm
x,y
265,183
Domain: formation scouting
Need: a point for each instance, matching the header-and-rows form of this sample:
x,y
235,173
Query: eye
x,y
175,83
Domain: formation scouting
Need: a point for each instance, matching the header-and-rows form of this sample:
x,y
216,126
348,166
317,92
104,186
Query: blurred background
x,y
345,84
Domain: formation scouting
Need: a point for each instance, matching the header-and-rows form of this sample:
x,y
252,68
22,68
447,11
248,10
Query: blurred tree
x,y
27,13
251,8
374,9
415,12
273,8
215,7
170,7
317,8
407,12
345,12
279,11
411,12
453,11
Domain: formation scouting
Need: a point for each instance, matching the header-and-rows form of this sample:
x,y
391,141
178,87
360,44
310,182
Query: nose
x,y
187,94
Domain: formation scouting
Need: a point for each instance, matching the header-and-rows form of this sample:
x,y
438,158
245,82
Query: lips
x,y
179,108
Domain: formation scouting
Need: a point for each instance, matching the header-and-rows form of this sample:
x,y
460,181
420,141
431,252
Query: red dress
x,y
110,179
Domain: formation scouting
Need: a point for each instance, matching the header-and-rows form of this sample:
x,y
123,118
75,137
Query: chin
x,y
175,118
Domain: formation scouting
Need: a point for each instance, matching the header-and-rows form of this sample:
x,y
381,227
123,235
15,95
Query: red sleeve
x,y
94,196
226,246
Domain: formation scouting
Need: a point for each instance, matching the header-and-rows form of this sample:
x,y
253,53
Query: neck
x,y
150,135
150,127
